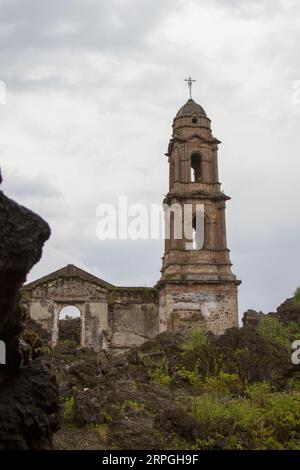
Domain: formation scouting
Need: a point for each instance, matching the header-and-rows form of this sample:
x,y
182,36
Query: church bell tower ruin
x,y
197,289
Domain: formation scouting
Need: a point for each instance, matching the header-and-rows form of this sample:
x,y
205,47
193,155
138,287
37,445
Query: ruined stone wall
x,y
116,318
132,317
184,307
47,300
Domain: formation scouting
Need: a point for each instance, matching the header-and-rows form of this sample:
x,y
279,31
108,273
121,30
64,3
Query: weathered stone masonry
x,y
111,317
197,288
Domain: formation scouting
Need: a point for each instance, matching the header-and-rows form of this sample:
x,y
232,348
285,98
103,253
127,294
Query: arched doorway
x,y
69,328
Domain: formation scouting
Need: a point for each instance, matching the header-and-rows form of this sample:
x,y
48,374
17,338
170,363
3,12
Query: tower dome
x,y
190,108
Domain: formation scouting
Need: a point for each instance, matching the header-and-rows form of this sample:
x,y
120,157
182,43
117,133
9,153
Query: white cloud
x,y
92,88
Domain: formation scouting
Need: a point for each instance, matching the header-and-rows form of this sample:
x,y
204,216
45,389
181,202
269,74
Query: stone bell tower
x,y
197,289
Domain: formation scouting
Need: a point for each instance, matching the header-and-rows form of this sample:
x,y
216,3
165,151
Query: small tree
x,y
297,295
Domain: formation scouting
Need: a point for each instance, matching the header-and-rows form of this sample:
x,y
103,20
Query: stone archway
x,y
58,307
69,325
71,286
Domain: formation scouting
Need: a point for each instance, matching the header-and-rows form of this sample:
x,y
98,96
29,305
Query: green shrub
x,y
297,295
133,405
283,414
272,329
259,392
293,330
160,375
223,385
293,384
196,339
190,376
265,421
69,408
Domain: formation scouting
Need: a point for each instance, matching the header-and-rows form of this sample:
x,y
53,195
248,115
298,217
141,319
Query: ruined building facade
x,y
197,289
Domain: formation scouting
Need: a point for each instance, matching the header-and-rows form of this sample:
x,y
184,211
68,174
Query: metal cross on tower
x,y
190,83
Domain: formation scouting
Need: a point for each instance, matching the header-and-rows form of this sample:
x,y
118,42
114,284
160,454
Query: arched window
x,y
69,324
196,168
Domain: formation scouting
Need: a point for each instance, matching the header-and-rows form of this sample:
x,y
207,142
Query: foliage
x,y
160,377
195,340
236,391
106,416
293,330
259,392
293,384
69,408
297,295
223,385
266,420
133,405
190,376
272,329
69,329
35,343
253,356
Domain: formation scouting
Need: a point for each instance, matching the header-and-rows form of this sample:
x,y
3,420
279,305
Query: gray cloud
x,y
92,88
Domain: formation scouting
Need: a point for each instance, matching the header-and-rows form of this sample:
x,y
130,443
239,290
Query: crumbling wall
x,y
185,307
132,317
111,317
28,393
46,301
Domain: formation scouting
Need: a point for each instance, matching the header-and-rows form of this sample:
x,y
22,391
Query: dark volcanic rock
x,y
22,235
29,408
252,318
28,393
176,418
289,311
255,357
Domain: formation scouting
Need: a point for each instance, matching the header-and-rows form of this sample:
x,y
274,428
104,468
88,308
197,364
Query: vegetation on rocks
x,y
237,391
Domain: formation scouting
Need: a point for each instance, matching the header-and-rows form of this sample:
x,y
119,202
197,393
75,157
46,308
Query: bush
x,y
253,356
283,415
265,421
297,295
69,408
293,384
259,392
133,405
190,376
229,424
196,339
223,385
272,329
160,375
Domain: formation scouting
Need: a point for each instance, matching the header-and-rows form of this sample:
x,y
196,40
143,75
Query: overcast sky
x,y
92,88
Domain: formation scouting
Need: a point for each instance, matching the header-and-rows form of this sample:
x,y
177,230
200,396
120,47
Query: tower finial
x,y
190,83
